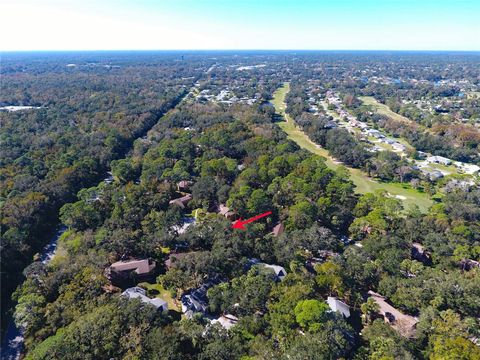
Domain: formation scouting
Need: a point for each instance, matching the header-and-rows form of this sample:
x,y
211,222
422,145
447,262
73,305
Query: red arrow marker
x,y
239,223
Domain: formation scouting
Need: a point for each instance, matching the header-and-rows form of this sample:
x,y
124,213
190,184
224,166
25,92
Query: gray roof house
x,y
277,269
433,175
439,160
227,321
139,293
197,300
338,306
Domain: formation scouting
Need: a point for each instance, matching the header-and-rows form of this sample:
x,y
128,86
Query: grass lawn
x,y
383,109
450,169
161,293
363,183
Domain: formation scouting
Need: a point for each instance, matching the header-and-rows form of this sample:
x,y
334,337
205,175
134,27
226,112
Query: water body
x,y
12,344
13,108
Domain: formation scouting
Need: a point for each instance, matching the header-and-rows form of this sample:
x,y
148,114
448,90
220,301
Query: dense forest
x,y
88,116
310,281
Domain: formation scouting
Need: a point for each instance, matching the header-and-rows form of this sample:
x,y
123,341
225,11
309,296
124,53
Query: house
x,y
346,240
130,271
468,168
330,125
338,306
421,154
420,254
139,293
109,178
455,184
226,212
181,201
433,175
183,185
227,321
468,264
279,271
196,300
278,229
375,133
404,324
187,222
321,257
398,146
439,160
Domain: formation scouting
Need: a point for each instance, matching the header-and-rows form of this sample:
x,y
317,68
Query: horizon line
x,y
240,50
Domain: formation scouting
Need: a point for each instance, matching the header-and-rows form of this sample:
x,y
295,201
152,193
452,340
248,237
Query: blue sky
x,y
241,24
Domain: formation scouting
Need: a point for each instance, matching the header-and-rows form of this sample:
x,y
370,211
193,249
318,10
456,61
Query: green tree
x,y
369,308
454,349
301,215
310,313
259,202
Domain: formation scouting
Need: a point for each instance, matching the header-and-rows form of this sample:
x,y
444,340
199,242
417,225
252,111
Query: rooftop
x,y
139,293
138,266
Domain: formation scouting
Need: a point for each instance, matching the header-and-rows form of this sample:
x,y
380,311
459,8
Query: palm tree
x,y
368,308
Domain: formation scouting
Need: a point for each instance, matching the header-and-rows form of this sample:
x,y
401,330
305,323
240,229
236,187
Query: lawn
x,y
157,290
383,109
363,183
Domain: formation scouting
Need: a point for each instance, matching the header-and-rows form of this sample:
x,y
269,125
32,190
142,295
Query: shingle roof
x,y
139,266
405,324
139,293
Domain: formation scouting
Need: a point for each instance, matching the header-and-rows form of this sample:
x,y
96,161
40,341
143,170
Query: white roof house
x,y
338,306
468,168
439,160
277,269
227,321
139,293
398,146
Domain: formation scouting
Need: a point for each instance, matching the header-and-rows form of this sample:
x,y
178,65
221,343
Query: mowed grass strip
x,y
383,109
364,184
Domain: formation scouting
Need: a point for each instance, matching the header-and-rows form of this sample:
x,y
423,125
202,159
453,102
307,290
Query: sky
x,y
241,24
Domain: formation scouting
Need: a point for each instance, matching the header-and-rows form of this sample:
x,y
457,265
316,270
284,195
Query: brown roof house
x,y
404,324
128,272
226,212
181,201
278,229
